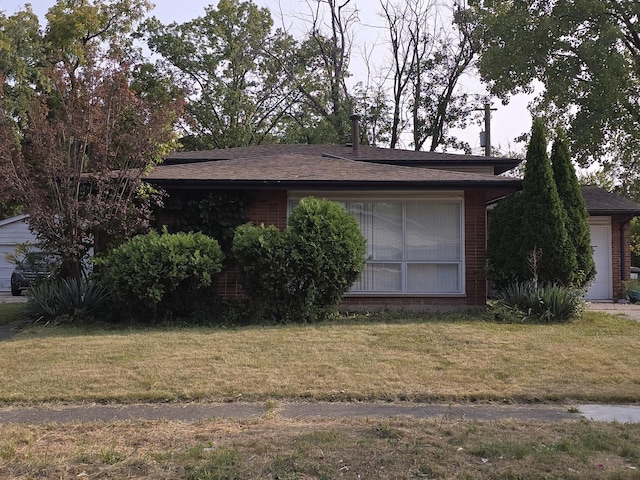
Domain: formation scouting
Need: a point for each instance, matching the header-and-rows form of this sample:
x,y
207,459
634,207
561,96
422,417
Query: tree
x,y
527,235
232,62
577,224
586,55
75,152
428,61
319,74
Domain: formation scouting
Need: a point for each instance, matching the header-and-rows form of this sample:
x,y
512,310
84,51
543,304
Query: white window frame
x,y
404,198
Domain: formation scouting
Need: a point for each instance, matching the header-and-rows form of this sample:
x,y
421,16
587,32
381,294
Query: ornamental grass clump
x,y
541,303
60,300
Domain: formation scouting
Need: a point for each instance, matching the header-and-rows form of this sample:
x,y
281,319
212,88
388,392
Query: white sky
x,y
507,123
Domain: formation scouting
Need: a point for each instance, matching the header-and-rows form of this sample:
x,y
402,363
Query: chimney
x,y
355,134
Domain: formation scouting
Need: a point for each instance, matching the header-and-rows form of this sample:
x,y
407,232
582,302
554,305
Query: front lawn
x,y
452,357
273,448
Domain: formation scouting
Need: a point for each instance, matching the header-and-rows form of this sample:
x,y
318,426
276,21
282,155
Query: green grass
x,y
11,312
385,356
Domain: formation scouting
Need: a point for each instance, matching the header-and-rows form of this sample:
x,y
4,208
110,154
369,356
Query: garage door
x,y
12,231
602,286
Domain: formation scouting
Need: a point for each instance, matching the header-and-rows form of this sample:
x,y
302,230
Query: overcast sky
x,y
507,121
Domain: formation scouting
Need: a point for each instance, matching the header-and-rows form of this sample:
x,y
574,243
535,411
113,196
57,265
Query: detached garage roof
x,y
602,203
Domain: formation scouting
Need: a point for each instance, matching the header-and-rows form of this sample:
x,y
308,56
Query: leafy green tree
x,y
21,53
231,61
10,208
577,224
74,148
586,55
527,235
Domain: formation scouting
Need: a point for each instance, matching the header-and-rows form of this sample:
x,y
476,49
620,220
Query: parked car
x,y
34,268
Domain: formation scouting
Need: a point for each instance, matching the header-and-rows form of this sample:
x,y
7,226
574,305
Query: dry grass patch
x,y
415,358
351,449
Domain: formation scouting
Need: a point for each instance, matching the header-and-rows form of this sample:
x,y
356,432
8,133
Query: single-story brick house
x,y
424,214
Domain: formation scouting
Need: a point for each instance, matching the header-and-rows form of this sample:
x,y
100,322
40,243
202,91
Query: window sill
x,y
405,295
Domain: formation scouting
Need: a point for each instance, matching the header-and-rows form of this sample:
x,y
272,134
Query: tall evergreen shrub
x,y
532,224
577,216
503,237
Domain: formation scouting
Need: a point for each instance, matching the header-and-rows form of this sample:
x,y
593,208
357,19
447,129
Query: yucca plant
x,y
64,299
545,302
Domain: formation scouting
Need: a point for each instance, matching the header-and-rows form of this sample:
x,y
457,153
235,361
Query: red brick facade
x,y
620,265
270,208
475,247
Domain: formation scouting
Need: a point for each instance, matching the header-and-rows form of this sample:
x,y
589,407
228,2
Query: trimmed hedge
x,y
161,275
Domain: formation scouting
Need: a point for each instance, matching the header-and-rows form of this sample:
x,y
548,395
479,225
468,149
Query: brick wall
x,y
475,215
269,207
619,275
417,303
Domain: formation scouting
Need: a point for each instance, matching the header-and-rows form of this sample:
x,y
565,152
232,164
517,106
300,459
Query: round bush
x,y
301,274
161,273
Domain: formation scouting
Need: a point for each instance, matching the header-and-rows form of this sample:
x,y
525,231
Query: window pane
x,y
379,277
433,278
381,225
433,231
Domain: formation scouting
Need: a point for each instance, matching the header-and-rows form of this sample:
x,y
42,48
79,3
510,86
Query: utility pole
x,y
487,128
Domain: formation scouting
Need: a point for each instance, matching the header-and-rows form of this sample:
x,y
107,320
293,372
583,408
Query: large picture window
x,y
413,246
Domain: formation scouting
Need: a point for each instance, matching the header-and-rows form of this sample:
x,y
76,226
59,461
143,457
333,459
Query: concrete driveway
x,y
6,297
630,310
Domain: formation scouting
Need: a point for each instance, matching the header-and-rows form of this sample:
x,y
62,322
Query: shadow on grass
x,y
344,319
11,313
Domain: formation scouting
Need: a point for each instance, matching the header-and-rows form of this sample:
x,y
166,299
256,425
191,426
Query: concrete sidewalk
x,y
193,412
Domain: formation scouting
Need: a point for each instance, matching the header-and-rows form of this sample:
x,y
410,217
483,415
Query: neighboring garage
x,y
609,221
13,231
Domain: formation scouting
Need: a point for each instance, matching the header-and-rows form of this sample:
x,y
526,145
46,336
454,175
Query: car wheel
x,y
15,291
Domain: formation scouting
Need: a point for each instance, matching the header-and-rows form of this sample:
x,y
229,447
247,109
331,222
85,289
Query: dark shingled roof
x,y
601,203
315,171
366,154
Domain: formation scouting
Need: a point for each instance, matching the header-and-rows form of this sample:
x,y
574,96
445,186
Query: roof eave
x,y
608,213
501,165
332,184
